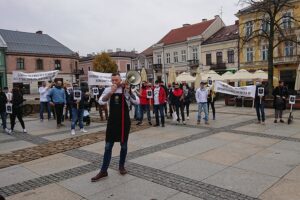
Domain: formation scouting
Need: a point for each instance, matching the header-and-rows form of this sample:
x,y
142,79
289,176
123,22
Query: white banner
x,y
19,77
245,91
97,78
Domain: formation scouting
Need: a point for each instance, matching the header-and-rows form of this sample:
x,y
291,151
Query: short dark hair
x,y
157,81
115,74
281,81
5,88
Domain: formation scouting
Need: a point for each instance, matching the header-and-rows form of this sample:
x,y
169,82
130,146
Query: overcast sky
x,y
87,26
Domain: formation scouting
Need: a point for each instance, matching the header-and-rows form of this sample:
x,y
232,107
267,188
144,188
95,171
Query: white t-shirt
x,y
156,95
43,94
8,96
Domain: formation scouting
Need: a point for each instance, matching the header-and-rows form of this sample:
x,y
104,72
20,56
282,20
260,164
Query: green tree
x,y
103,63
276,26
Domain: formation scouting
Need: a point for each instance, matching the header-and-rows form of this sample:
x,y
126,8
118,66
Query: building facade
x,y
254,54
37,52
124,60
3,47
181,47
220,51
145,60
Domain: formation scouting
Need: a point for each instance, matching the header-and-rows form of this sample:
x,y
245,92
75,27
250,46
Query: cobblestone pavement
x,y
232,158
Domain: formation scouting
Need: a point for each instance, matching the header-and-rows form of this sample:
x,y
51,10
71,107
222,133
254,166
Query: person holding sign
x,y
3,102
118,125
280,94
44,103
102,107
159,99
77,101
259,102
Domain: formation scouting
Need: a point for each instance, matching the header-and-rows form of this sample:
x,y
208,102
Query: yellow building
x,y
254,53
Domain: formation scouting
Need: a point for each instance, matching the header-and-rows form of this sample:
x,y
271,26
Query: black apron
x,y
114,123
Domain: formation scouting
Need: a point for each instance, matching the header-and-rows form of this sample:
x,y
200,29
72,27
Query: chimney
x,y
236,22
217,16
185,25
39,32
204,20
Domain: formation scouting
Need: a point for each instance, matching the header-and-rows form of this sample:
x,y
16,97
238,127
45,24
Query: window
x,y
289,48
264,52
265,26
39,64
208,59
219,56
20,63
89,68
287,20
195,53
57,65
158,59
230,56
249,28
249,54
168,58
175,54
128,67
183,56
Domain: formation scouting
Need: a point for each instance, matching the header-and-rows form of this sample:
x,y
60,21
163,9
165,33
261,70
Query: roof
x,y
124,54
181,34
148,51
224,34
33,43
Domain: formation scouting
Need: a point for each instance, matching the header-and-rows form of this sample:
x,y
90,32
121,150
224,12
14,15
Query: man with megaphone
x,y
118,125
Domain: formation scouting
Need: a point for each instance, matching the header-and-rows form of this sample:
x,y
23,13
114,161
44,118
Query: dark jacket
x,y
280,103
188,96
82,103
17,100
257,98
3,101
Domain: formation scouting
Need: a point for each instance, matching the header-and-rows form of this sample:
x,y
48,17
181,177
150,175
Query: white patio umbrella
x,y
242,75
185,77
144,75
297,84
227,76
172,75
198,78
211,74
260,74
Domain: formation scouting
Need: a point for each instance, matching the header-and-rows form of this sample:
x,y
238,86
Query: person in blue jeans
x,y
259,103
201,98
44,103
159,100
77,111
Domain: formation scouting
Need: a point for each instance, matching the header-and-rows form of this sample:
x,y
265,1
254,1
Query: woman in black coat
x,y
17,103
280,94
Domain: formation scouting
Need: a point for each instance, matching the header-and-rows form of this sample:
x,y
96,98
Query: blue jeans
x,y
137,112
77,114
260,111
44,105
145,108
108,152
202,107
3,117
159,108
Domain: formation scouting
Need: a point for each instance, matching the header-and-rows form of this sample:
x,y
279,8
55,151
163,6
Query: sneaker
x,y
24,130
183,122
198,122
41,120
58,126
10,131
281,121
263,123
139,123
162,125
156,125
258,122
83,130
6,130
275,121
150,123
188,118
72,132
206,123
99,176
214,118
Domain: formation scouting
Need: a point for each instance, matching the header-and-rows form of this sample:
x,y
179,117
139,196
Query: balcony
x,y
157,66
193,63
218,67
287,60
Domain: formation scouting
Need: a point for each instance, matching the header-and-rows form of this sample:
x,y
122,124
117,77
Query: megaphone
x,y
133,78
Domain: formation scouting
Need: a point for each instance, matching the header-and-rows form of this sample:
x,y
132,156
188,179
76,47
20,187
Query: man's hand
x,y
51,103
114,88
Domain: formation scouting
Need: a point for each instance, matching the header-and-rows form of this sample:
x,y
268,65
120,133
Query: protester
x,y
170,99
137,106
211,99
201,98
17,103
280,94
3,101
159,99
118,125
102,107
178,98
166,100
259,103
57,98
77,111
187,99
144,103
94,99
68,107
44,103
8,94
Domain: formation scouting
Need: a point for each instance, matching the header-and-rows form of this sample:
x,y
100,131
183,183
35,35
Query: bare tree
x,y
276,26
